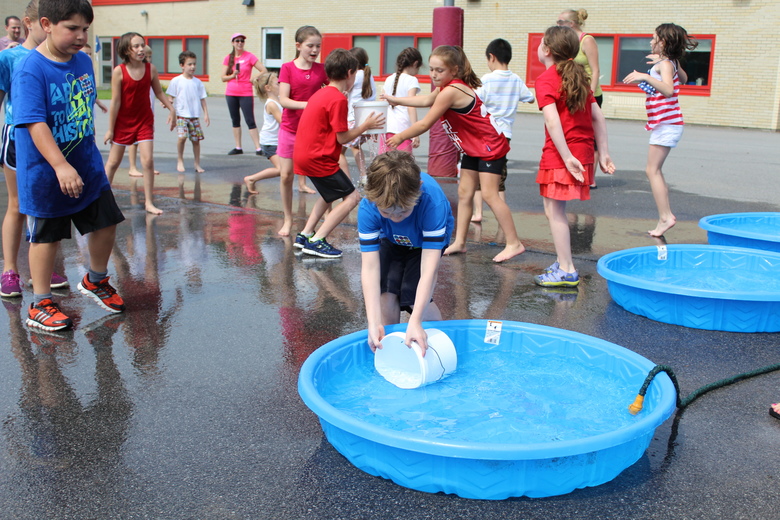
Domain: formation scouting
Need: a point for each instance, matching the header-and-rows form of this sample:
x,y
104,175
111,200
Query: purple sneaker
x,y
11,284
59,282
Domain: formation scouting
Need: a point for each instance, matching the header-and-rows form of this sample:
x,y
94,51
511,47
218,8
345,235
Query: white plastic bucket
x,y
363,110
407,368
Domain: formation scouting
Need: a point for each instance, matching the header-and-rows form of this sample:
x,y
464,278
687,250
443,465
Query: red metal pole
x,y
442,154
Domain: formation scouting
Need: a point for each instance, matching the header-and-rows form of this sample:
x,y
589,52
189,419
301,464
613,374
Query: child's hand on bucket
x,y
375,335
415,332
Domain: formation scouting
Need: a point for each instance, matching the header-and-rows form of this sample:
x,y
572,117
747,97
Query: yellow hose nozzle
x,y
636,407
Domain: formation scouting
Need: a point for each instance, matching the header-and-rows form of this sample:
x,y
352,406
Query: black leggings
x,y
247,106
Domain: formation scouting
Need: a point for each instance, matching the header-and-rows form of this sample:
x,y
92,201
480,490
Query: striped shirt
x,y
500,92
662,110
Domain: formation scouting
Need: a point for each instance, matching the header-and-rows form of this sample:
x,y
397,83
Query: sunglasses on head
x,y
239,40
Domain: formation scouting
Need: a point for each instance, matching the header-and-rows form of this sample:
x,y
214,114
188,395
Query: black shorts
x,y
333,187
101,213
502,182
8,152
399,268
480,165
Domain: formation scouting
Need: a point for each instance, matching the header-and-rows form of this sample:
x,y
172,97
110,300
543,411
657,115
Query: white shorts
x,y
666,135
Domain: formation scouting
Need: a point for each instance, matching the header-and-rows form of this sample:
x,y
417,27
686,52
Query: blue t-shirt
x,y
8,61
429,226
62,96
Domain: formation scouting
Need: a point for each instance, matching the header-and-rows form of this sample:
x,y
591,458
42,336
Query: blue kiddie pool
x,y
700,286
754,230
531,410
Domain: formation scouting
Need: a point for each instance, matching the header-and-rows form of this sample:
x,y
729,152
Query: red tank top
x,y
135,109
473,133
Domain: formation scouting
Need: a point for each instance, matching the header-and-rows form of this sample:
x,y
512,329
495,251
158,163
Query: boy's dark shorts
x,y
8,152
480,165
103,212
399,268
333,187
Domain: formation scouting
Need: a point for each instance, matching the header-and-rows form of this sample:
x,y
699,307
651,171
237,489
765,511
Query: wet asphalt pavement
x,y
186,406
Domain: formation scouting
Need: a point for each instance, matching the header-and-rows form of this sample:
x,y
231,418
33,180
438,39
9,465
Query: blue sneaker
x,y
301,240
557,278
322,249
554,267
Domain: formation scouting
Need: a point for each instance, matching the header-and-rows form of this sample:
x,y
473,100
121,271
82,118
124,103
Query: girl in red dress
x,y
572,121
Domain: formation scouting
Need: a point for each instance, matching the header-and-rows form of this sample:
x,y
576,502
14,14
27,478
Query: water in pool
x,y
496,397
721,280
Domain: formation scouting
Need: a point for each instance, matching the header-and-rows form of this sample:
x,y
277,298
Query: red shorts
x,y
129,136
559,184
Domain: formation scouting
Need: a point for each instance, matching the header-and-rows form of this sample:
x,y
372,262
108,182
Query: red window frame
x,y
332,41
170,75
534,67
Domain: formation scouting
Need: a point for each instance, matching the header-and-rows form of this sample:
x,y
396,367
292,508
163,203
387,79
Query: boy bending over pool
x,y
405,223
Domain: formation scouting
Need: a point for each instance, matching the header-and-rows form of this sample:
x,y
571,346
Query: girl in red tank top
x,y
130,119
470,128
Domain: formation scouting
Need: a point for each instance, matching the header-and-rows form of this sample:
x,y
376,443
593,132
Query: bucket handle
x,y
438,358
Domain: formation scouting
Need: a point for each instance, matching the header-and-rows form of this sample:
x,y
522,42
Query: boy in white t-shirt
x,y
501,91
188,96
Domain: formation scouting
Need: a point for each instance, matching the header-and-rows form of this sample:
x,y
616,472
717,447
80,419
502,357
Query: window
x,y
272,48
621,54
382,49
165,54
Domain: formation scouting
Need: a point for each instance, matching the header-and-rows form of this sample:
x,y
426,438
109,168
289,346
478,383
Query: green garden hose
x,y
636,406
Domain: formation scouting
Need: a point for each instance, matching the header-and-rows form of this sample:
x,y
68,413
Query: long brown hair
x,y
563,44
362,56
453,56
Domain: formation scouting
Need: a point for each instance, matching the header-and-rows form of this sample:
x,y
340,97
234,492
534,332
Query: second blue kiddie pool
x,y
754,230
530,410
700,286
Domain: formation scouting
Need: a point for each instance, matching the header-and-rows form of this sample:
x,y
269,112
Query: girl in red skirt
x,y
572,121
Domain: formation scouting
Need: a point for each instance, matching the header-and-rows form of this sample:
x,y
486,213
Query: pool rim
x,y
708,224
646,422
756,294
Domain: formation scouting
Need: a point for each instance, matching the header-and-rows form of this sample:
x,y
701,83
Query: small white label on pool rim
x,y
493,332
661,252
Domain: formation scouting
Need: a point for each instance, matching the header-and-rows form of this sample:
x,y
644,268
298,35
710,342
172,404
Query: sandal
x,y
774,410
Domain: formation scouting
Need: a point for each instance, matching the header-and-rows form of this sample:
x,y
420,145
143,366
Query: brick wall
x,y
746,70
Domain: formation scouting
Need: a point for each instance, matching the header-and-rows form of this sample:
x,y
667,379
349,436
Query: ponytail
x,y
362,56
231,61
575,83
406,58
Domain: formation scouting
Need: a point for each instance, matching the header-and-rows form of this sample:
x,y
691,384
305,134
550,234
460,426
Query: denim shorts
x,y
269,150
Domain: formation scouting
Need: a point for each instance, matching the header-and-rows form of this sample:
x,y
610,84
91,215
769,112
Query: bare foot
x,y
198,169
455,249
250,186
306,189
476,218
154,210
509,252
135,173
179,167
662,227
156,172
285,231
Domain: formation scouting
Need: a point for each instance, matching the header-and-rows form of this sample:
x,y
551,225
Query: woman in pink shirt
x,y
237,73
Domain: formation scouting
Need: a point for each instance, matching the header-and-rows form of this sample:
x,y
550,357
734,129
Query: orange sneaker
x,y
47,316
102,293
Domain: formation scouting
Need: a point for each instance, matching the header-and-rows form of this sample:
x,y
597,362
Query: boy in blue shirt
x,y
404,222
60,172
